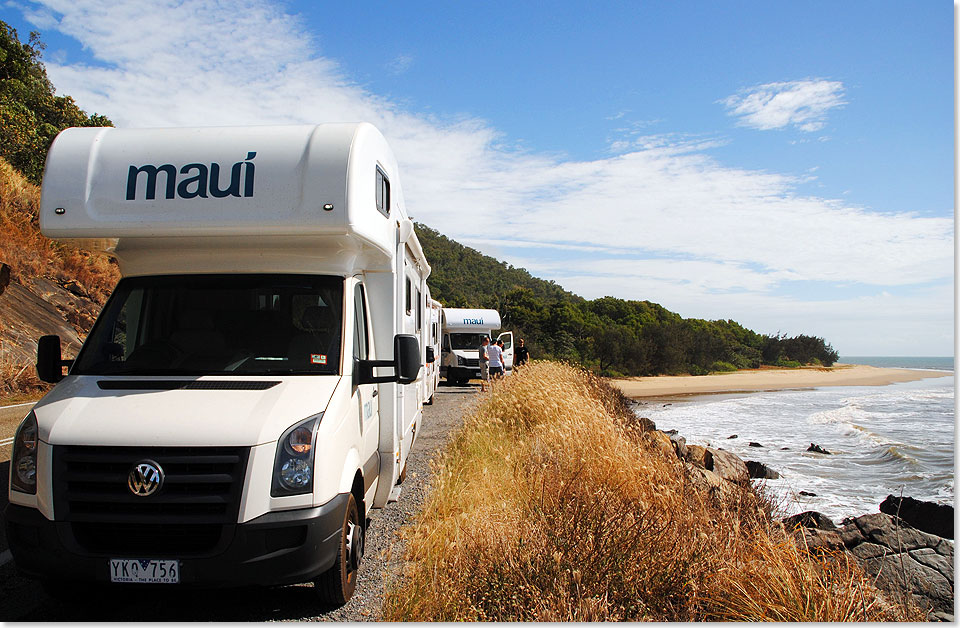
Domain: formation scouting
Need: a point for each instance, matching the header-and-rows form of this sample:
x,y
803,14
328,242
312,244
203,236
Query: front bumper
x,y
463,372
276,548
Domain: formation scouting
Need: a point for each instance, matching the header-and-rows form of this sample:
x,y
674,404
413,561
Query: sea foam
x,y
883,440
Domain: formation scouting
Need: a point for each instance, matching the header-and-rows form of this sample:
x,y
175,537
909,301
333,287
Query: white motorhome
x,y
463,329
250,392
431,378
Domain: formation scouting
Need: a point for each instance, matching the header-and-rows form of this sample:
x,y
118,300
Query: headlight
x,y
23,465
460,361
293,469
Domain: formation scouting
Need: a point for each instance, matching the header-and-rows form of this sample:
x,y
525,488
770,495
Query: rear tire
x,y
335,586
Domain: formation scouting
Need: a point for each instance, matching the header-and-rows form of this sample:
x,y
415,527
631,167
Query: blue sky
x,y
786,165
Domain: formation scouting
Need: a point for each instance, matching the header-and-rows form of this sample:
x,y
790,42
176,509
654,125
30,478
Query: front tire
x,y
335,586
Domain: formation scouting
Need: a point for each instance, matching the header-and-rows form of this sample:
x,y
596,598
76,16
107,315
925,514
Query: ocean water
x,y
883,440
923,363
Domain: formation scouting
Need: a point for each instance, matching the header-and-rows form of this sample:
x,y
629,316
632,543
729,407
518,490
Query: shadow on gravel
x,y
453,389
296,602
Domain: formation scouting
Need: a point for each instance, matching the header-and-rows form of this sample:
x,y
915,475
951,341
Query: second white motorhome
x,y
251,391
463,329
431,378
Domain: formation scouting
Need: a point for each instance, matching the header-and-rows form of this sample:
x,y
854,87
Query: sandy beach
x,y
769,379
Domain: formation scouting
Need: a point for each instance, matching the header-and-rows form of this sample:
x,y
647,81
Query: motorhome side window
x,y
383,193
218,324
419,311
360,334
409,297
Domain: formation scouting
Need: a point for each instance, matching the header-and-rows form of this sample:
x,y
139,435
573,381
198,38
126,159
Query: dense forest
x,y
612,336
609,335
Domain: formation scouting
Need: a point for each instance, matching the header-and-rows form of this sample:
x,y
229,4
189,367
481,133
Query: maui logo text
x,y
201,180
473,321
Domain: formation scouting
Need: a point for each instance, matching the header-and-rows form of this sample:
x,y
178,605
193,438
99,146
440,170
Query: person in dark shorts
x,y
522,354
484,364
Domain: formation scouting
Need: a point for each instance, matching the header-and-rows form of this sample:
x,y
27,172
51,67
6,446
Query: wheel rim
x,y
354,546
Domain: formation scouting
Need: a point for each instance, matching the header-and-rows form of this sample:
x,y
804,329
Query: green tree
x,y
31,114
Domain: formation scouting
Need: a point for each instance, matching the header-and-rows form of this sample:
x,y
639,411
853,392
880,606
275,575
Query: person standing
x,y
522,353
495,361
484,364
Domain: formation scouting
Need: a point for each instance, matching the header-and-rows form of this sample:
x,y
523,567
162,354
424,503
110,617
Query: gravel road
x,y
22,599
384,552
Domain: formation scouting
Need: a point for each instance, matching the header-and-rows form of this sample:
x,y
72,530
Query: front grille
x,y
471,361
200,495
146,540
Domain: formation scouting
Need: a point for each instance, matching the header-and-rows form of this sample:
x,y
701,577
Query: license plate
x,y
144,571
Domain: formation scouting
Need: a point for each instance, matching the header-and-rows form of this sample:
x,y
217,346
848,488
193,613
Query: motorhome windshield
x,y
465,341
218,324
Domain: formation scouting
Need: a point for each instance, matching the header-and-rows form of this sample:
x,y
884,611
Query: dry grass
x,y
19,382
551,504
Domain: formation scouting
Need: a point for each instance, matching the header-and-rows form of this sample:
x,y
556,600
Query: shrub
x,y
552,504
722,367
787,363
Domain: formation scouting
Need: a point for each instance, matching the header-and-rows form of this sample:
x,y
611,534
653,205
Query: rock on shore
x,y
927,516
907,564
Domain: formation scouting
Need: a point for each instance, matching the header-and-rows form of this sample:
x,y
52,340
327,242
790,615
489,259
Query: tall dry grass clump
x,y
552,504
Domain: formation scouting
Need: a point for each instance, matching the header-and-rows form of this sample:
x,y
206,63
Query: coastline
x,y
757,380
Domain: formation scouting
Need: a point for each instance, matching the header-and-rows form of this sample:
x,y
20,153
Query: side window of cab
x,y
361,335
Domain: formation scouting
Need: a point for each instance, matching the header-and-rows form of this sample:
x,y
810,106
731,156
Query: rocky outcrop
x,y
911,566
679,445
725,465
700,456
760,471
4,277
926,516
659,441
729,466
810,519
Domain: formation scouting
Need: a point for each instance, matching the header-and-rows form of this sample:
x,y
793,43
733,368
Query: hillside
x,y
45,287
610,335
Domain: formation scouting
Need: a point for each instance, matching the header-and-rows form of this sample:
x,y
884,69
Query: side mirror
x,y
431,355
405,363
50,362
406,356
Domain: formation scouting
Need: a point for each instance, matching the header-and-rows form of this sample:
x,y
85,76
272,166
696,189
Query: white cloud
x,y
802,104
699,237
400,64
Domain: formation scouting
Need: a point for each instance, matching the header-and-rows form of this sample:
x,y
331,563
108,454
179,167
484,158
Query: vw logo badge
x,y
145,478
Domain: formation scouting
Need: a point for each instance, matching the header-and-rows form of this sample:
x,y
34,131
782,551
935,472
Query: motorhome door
x,y
368,393
507,338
